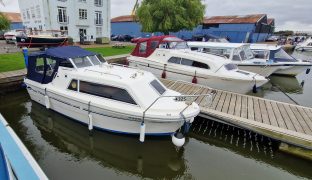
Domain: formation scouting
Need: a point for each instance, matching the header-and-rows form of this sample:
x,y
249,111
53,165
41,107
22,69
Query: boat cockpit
x,y
43,66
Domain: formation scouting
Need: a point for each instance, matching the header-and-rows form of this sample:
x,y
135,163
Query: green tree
x,y
4,22
170,15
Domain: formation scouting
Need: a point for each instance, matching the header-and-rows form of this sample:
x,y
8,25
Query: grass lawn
x,y
110,51
15,61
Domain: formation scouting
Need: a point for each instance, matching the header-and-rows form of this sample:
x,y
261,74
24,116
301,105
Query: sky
x,y
289,14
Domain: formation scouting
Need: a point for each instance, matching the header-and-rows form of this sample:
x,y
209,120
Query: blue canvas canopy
x,y
66,52
43,65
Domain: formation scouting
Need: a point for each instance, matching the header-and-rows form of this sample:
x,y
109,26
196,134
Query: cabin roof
x,y
65,52
13,17
216,44
264,47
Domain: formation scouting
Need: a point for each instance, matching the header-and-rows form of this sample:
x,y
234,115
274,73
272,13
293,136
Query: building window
x,y
83,14
98,31
82,1
32,10
98,2
62,15
98,18
64,28
28,14
38,11
105,91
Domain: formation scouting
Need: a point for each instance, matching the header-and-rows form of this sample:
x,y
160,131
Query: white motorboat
x,y
291,66
169,57
305,45
74,82
240,54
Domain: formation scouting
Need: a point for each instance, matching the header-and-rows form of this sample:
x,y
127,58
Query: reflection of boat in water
x,y
287,84
153,159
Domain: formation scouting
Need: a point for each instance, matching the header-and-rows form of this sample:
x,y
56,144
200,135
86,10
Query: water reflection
x,y
156,158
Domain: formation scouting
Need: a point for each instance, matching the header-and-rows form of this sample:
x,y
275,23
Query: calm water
x,y
213,150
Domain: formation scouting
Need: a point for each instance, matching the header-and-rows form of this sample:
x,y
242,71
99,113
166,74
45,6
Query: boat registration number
x,y
184,98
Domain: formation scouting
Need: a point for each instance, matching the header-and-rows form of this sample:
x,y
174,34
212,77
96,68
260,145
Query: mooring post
x,y
25,53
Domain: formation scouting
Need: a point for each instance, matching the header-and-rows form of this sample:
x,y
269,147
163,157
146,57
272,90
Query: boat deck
x,y
282,121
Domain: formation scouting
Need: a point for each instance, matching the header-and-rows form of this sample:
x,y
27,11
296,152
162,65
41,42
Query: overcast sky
x,y
288,14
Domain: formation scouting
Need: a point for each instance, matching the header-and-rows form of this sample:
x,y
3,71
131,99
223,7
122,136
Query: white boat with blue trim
x,y
16,162
77,84
273,53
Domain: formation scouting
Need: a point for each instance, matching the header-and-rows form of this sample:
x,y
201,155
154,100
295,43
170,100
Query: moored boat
x,y
169,57
240,54
290,65
75,83
305,45
41,39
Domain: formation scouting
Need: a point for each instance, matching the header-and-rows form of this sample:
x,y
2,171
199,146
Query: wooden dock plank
x,y
216,100
221,101
226,104
257,110
289,123
244,110
271,114
232,104
251,112
301,120
238,105
293,119
264,113
305,117
285,118
278,116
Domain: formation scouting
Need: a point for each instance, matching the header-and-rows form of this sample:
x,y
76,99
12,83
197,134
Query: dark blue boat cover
x,y
66,52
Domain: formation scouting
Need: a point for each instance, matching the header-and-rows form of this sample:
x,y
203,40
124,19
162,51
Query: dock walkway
x,y
288,123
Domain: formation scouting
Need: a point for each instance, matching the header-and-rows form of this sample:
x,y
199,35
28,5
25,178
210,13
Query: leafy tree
x,y
4,22
170,15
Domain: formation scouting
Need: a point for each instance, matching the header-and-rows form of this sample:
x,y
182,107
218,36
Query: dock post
x,y
25,53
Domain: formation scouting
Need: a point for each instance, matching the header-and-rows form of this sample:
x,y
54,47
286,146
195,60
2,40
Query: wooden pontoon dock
x,y
288,123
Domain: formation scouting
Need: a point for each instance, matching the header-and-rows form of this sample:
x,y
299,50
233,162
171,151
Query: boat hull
x,y
32,42
292,70
238,86
265,71
102,119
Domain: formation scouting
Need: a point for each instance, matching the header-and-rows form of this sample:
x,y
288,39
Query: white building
x,y
91,17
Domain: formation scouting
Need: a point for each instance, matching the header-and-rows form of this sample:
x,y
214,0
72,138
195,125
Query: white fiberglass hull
x,y
227,84
103,119
292,70
265,71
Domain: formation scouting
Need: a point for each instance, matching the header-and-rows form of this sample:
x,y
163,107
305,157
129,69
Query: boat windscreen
x,y
82,62
94,60
281,55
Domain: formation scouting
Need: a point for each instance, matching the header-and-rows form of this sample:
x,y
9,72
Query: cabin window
x,y
73,85
197,64
310,44
66,63
194,48
142,48
158,87
101,58
50,66
230,66
40,65
261,54
154,44
94,60
105,91
175,60
82,62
